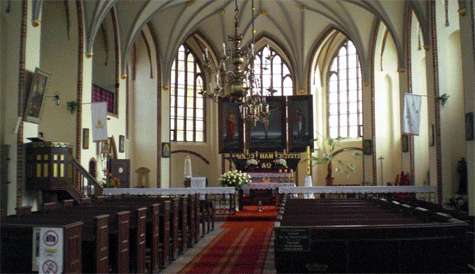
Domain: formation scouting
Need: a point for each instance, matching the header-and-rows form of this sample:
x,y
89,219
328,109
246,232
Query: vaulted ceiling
x,y
296,25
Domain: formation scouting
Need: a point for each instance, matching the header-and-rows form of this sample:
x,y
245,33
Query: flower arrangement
x,y
326,155
235,178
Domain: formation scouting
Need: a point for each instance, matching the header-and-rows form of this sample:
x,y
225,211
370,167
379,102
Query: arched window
x,y
272,73
187,106
345,118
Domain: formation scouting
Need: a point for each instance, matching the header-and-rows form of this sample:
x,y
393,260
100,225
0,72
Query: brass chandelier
x,y
236,79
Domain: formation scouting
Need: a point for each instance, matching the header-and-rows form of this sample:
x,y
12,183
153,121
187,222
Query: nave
x,y
145,136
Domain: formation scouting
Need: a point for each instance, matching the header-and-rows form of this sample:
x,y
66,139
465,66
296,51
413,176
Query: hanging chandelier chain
x,y
235,78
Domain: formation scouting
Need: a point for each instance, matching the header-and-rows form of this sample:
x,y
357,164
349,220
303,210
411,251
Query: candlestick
x,y
309,161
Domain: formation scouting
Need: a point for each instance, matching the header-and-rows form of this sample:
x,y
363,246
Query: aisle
x,y
241,247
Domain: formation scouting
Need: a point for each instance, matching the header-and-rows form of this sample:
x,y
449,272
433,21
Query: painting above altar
x,y
300,111
290,117
269,135
230,127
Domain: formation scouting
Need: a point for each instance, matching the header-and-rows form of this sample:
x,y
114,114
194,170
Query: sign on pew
x,y
48,250
293,240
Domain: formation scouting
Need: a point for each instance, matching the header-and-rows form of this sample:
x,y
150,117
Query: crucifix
x,y
381,158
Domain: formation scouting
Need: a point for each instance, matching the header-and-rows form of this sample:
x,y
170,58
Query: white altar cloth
x,y
357,189
265,186
169,191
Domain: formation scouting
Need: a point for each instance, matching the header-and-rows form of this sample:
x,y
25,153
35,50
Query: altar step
x,y
253,213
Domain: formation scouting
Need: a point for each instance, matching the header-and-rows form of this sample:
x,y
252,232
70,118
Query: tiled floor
x,y
186,258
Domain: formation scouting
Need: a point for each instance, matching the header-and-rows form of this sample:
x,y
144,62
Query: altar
x,y
264,187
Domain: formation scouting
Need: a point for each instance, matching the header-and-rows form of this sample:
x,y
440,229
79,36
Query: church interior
x,y
237,136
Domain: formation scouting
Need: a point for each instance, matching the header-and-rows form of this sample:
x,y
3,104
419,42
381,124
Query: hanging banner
x,y
99,121
412,114
50,259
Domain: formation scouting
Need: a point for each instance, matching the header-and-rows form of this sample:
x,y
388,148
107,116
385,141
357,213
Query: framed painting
x,y
405,143
367,147
166,150
469,124
300,111
121,143
85,138
269,135
231,137
35,96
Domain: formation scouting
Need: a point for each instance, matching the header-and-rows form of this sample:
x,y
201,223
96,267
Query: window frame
x,y
359,93
174,69
260,75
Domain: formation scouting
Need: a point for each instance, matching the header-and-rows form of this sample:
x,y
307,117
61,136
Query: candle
x,y
206,53
224,48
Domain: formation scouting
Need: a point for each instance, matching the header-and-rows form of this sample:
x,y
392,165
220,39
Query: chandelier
x,y
235,78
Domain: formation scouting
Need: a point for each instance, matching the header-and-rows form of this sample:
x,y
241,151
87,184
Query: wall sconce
x,y
56,99
443,99
72,106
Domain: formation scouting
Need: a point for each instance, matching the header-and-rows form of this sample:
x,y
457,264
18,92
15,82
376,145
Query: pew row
x,y
365,236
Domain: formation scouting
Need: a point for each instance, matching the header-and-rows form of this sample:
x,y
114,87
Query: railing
x,y
224,198
86,184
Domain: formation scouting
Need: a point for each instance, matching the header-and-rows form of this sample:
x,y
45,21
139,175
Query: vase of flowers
x,y
237,179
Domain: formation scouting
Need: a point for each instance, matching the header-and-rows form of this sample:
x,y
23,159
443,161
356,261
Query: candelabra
x,y
235,78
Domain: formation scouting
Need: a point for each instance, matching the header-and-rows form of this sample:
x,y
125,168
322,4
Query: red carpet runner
x,y
240,248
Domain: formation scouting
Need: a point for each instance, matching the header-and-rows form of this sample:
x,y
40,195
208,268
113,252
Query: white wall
x,y
452,117
143,107
419,87
387,109
59,58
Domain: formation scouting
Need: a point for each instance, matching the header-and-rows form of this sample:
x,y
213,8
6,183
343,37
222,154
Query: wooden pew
x,y
153,225
137,227
114,242
17,243
363,236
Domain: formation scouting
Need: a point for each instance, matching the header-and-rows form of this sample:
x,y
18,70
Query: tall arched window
x,y
345,118
273,73
187,106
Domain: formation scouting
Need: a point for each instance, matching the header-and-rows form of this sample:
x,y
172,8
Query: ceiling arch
x,y
296,23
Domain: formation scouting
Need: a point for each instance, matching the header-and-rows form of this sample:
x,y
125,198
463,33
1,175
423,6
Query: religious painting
x,y
85,138
166,150
367,147
269,134
230,127
35,96
405,143
469,131
121,143
300,110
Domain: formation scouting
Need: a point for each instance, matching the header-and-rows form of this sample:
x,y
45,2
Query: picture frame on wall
x,y
405,143
85,138
166,150
231,127
121,143
367,147
270,135
300,121
36,96
469,127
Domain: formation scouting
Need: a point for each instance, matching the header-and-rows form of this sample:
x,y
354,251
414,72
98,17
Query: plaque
x,y
293,240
